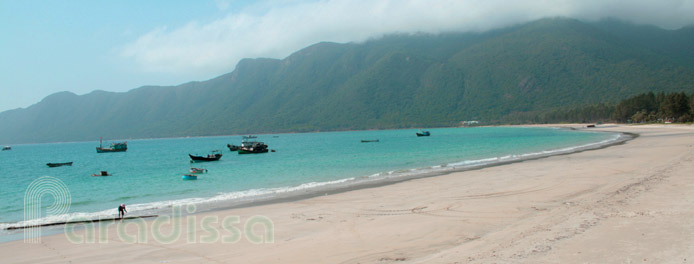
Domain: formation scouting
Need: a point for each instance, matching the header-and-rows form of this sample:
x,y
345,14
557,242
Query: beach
x,y
625,203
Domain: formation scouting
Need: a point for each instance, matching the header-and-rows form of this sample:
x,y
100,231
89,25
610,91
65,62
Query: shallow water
x,y
148,176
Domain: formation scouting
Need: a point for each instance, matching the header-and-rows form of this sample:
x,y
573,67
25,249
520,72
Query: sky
x,y
85,45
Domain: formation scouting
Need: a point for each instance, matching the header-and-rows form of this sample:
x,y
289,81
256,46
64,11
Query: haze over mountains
x,y
397,81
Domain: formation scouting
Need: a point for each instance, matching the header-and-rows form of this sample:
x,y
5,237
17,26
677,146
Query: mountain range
x,y
396,81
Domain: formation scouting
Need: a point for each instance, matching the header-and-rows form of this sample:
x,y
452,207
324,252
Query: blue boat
x,y
189,177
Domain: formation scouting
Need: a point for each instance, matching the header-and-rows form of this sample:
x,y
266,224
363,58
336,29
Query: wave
x,y
153,207
482,162
239,197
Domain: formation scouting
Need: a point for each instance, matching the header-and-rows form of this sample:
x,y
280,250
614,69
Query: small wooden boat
x,y
6,148
102,173
115,147
369,140
423,134
197,170
189,177
214,156
53,165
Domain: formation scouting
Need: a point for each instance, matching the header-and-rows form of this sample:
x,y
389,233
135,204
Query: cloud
x,y
276,29
222,4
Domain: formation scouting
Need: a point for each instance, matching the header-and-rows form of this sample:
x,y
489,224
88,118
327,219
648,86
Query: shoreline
x,y
625,203
382,182
349,184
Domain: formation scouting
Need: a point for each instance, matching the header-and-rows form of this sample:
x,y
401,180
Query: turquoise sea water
x,y
148,176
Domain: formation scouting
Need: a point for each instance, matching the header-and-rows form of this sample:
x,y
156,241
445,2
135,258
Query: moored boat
x,y
369,140
189,177
6,148
115,147
214,156
102,173
423,134
53,165
249,146
197,170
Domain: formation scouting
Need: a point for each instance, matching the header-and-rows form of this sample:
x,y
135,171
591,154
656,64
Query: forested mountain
x,y
396,81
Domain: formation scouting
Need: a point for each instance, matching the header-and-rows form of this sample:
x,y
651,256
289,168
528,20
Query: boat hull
x,y
107,150
214,157
53,165
248,151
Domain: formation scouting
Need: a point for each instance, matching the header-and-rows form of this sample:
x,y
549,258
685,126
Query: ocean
x,y
147,178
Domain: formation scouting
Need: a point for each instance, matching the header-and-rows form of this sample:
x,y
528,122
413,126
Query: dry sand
x,y
628,203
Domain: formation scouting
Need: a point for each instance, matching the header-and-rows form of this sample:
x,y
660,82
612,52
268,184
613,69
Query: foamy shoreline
x,y
624,203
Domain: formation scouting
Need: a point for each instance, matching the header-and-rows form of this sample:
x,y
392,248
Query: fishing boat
x,y
53,165
102,173
214,156
197,170
115,147
189,177
369,140
251,146
423,134
6,148
233,147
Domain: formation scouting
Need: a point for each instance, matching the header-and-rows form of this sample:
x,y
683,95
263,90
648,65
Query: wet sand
x,y
626,203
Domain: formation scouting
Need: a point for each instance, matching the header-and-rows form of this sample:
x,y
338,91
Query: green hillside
x,y
396,81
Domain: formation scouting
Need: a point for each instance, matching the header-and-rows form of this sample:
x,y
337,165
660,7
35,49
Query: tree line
x,y
648,107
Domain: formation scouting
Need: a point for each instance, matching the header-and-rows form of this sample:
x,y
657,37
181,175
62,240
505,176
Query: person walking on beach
x,y
121,211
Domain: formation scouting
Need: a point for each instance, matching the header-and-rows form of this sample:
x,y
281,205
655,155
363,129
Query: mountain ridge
x,y
397,81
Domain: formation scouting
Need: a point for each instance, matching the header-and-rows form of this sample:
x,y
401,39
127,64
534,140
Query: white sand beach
x,y
627,203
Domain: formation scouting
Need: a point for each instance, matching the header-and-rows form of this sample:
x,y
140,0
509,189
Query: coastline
x,y
382,182
575,207
256,197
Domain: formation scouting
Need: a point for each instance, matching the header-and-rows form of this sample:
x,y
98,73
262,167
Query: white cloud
x,y
222,4
277,31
